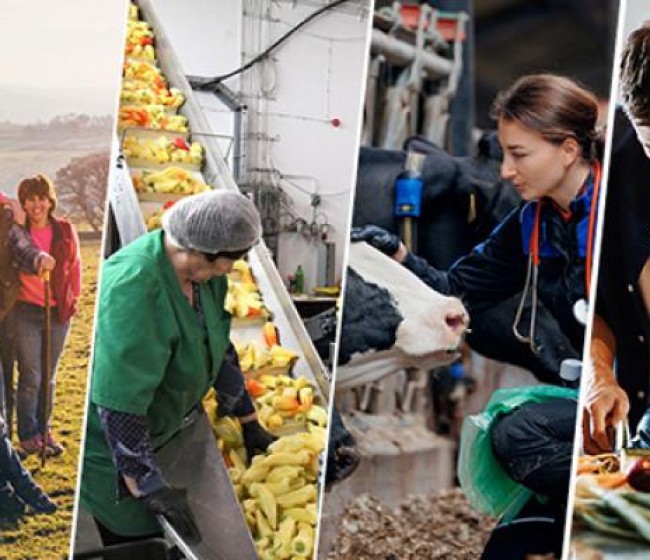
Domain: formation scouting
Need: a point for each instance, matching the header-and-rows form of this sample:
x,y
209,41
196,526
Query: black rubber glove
x,y
382,240
256,438
172,504
342,455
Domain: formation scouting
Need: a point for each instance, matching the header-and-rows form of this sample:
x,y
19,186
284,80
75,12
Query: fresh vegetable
x,y
150,116
270,334
172,180
279,497
255,388
161,151
142,93
244,301
181,144
638,474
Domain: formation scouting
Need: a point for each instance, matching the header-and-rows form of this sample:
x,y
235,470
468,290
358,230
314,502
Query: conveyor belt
x,y
216,173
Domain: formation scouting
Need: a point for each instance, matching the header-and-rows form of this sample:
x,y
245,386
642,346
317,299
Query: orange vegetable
x,y
159,81
270,334
286,404
255,388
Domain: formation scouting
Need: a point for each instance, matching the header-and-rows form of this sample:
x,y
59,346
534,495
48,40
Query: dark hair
x,y
554,106
38,185
635,75
230,255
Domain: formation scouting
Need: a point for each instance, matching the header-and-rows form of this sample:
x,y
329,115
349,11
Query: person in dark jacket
x,y
547,128
621,331
17,254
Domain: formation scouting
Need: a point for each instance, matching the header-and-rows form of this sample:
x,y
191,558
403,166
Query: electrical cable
x,y
296,186
203,85
352,39
308,193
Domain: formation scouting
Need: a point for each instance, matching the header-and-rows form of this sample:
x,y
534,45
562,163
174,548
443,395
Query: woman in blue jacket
x,y
547,129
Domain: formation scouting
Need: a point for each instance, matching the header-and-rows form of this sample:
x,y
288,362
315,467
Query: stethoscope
x,y
580,308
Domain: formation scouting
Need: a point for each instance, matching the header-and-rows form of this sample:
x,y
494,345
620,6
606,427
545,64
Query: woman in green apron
x,y
162,341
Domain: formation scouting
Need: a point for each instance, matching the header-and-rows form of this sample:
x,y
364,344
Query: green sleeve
x,y
134,336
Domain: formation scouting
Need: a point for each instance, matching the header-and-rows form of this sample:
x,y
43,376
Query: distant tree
x,y
81,187
71,123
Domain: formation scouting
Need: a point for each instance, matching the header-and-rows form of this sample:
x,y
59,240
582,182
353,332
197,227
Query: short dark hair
x,y
230,255
38,185
635,75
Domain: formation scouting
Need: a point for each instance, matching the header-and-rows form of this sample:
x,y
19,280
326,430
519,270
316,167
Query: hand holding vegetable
x,y
605,403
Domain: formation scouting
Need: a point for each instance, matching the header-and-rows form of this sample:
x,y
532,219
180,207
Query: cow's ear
x,y
571,150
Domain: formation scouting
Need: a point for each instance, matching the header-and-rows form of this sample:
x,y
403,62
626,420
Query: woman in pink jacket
x,y
58,237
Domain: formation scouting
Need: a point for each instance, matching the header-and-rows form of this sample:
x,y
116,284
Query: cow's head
x,y
390,315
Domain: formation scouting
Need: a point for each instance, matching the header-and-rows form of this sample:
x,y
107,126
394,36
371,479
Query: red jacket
x,y
66,276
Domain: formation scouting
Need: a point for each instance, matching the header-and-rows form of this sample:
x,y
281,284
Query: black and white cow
x,y
463,200
392,321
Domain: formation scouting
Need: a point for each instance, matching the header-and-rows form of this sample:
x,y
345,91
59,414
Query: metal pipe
x,y
237,157
401,53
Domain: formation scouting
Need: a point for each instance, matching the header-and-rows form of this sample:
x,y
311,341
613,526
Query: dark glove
x,y
342,455
382,240
256,438
172,504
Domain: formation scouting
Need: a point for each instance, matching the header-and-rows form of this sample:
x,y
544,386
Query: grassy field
x,y
45,153
47,537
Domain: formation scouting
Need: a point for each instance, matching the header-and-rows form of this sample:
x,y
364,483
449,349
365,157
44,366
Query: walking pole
x,y
47,365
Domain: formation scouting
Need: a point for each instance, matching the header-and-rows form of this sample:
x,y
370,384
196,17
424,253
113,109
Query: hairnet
x,y
212,222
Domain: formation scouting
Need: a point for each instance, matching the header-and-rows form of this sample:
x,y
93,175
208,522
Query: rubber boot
x,y
21,480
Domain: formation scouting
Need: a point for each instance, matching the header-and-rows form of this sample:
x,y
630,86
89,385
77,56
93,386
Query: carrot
x,y
255,388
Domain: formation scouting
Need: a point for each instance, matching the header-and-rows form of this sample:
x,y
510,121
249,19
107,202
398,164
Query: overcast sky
x,y
58,56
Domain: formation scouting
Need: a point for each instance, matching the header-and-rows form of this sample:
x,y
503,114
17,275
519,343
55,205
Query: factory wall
x,y
304,105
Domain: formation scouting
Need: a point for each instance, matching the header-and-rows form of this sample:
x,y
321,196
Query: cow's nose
x,y
456,321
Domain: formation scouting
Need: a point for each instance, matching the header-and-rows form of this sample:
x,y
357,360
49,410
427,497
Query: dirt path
x,y
47,537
